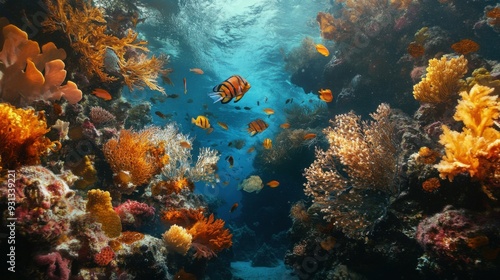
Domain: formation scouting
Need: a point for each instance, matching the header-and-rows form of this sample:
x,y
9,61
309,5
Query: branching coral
x,y
210,237
358,172
135,157
99,206
442,80
26,74
475,150
178,239
22,136
88,34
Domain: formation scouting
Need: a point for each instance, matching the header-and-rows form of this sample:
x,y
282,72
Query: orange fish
x,y
233,207
285,125
322,50
268,143
309,136
325,95
185,86
257,126
197,71
210,130
268,111
101,93
251,149
273,183
223,125
185,144
230,159
233,87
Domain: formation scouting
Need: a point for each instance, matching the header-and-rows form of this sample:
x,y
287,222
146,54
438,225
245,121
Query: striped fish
x,y
201,121
234,87
257,126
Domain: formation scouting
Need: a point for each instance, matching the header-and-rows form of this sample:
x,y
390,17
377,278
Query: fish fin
x,y
225,100
238,97
216,96
193,120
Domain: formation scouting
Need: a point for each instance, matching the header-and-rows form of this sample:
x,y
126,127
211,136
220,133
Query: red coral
x,y
58,268
210,237
134,213
105,256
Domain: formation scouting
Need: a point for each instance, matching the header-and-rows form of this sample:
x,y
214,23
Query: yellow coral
x,y
87,172
475,150
442,80
22,136
134,158
99,206
178,239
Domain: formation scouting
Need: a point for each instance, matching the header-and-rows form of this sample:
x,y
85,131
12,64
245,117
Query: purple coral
x,y
100,116
58,267
134,213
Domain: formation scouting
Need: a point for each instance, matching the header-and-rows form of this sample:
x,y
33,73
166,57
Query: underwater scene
x,y
249,139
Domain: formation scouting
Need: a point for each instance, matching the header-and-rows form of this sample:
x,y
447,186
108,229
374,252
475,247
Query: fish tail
x,y
216,96
193,120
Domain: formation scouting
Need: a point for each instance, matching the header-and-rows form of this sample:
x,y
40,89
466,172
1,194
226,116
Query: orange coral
x,y
105,256
475,150
415,49
87,29
129,237
465,46
171,186
431,184
22,136
427,155
325,21
493,16
99,206
210,237
22,64
442,80
185,217
135,157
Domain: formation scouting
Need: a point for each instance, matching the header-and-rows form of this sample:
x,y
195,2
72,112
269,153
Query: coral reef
x,y
210,237
134,213
58,267
178,239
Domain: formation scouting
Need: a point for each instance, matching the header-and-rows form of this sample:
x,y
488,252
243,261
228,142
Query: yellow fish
x,y
285,125
268,143
268,111
201,121
322,50
234,87
223,125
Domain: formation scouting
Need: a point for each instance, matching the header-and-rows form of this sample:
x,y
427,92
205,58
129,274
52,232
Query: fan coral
x,y
442,80
185,217
178,239
104,257
135,157
465,46
210,237
99,206
87,33
23,138
475,150
21,67
368,154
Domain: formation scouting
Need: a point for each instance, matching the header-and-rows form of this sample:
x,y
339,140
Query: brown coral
x,y
88,34
99,206
465,46
22,136
134,158
442,80
29,73
210,237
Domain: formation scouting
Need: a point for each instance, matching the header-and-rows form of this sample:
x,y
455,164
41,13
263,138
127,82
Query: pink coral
x,y
134,213
58,267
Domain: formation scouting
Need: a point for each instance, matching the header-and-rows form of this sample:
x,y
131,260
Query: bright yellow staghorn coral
x,y
100,207
442,80
22,136
475,150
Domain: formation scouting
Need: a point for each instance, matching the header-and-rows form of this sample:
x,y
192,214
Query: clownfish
x,y
234,87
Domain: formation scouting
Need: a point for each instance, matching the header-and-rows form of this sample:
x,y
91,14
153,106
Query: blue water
x,y
248,38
